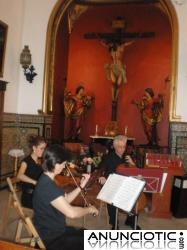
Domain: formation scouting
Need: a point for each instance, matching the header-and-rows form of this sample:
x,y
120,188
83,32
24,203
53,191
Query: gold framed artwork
x,y
3,38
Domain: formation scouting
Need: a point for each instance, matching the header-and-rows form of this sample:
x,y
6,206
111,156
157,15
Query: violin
x,y
88,194
40,161
77,185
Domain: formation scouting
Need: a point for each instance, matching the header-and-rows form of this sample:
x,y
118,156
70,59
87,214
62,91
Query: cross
x,y
115,42
118,35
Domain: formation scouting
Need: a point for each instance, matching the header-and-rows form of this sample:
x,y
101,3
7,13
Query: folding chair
x,y
9,205
24,221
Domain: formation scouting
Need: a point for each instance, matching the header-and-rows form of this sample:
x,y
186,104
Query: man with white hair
x,y
109,164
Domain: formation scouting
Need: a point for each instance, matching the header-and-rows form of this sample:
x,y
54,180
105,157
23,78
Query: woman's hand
x,y
93,210
84,180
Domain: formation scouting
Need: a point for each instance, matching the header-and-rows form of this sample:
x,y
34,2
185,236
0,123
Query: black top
x,y
33,171
110,162
49,222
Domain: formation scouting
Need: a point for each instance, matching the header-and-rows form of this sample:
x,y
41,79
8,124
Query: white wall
x,y
37,13
13,17
27,21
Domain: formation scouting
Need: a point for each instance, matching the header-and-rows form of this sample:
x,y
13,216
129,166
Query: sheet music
x,y
121,191
129,193
110,188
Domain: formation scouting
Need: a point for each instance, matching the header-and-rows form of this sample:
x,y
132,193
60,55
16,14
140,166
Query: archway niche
x,y
57,22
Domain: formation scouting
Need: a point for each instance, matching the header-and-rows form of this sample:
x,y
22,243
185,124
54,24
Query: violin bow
x,y
77,185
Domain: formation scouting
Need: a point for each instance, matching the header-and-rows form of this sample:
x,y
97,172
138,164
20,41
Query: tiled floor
x,y
93,223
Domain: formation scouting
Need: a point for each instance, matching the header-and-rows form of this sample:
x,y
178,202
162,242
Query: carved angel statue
x,y
150,108
75,107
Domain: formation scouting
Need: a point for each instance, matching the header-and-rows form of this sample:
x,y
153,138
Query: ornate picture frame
x,y
3,38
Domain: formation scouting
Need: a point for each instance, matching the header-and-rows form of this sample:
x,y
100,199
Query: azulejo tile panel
x,y
15,130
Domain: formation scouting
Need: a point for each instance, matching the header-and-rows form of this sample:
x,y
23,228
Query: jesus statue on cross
x,y
116,71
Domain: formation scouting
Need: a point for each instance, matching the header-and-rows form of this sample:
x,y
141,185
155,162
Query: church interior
x,y
78,73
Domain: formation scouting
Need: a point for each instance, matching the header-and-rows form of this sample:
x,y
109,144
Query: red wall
x,y
147,63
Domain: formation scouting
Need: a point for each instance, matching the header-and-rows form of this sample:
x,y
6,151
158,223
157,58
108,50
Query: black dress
x,y
33,171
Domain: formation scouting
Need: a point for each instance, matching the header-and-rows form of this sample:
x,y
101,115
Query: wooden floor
x,y
93,223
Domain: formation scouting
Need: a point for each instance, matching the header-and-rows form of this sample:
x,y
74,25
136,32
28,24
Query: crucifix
x,y
116,42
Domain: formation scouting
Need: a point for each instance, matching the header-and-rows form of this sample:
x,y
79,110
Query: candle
x,y
96,129
126,128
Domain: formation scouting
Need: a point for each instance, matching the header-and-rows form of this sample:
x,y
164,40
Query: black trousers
x,y
73,238
130,221
112,214
26,199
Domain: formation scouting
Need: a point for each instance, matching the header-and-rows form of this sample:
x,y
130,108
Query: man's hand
x,y
102,180
129,160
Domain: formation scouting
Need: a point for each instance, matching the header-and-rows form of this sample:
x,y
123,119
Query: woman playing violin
x,y
52,205
30,169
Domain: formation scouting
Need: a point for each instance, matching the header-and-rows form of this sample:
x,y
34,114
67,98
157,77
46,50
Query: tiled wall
x,y
178,138
15,130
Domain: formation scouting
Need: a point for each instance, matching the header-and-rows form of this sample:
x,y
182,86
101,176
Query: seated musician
x,y
30,169
51,204
109,164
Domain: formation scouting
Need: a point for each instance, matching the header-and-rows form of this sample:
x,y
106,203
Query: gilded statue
x,y
150,108
75,108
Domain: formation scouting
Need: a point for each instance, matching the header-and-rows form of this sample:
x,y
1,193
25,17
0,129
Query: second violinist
x,y
52,205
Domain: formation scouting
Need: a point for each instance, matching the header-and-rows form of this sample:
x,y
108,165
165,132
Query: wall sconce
x,y
25,61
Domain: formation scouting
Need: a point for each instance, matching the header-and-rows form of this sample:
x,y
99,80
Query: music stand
x,y
125,196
